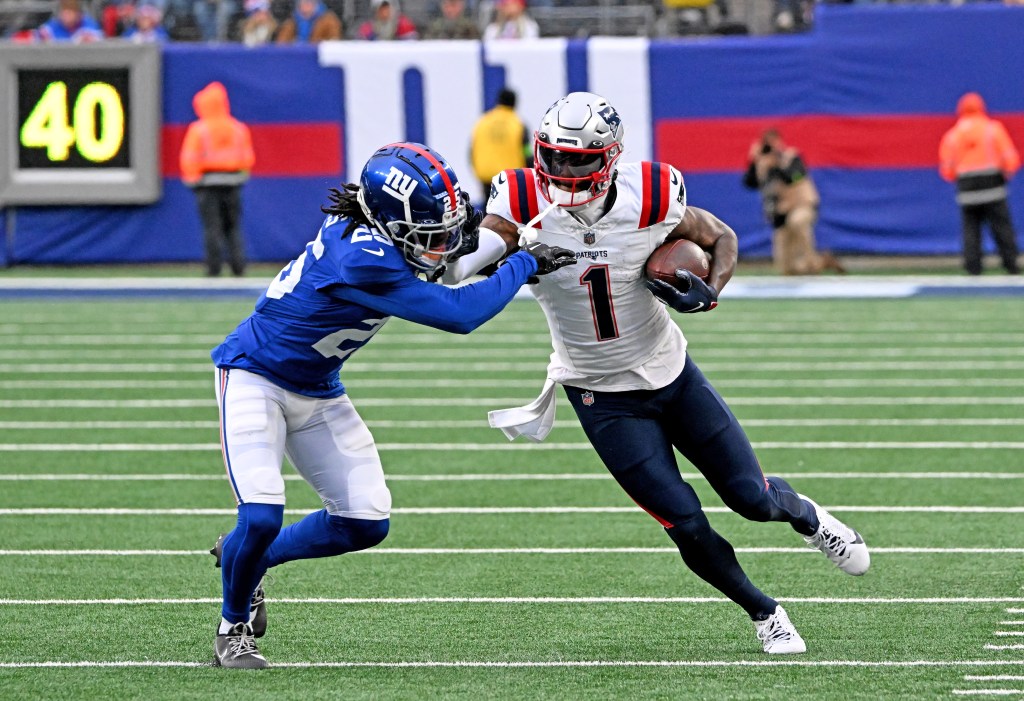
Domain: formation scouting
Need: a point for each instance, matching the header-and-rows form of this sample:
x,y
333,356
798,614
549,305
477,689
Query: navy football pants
x,y
634,433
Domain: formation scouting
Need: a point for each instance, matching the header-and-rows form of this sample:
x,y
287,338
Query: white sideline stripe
x,y
475,447
1008,633
1004,647
528,551
480,423
587,600
476,510
526,367
514,401
529,664
501,477
988,692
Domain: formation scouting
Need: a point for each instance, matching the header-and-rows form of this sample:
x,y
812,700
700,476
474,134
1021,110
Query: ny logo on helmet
x,y
399,185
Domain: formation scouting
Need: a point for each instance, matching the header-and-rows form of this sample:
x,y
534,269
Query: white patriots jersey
x,y
608,331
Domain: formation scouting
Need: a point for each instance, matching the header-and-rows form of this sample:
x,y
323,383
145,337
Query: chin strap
x,y
526,233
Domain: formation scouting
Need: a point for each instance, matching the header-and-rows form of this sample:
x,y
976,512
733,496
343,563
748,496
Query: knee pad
x,y
749,498
692,529
358,533
261,521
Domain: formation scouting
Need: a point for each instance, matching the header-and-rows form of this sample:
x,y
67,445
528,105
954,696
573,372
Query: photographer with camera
x,y
790,202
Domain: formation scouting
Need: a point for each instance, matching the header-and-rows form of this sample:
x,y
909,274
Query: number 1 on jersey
x,y
599,283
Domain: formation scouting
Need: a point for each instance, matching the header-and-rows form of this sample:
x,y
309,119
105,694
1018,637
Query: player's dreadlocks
x,y
344,204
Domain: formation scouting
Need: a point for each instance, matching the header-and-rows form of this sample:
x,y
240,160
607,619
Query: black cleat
x,y
258,604
237,649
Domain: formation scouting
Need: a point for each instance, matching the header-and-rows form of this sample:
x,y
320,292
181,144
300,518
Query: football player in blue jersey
x,y
278,386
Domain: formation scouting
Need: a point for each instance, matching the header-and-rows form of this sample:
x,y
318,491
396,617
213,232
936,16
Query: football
x,y
674,254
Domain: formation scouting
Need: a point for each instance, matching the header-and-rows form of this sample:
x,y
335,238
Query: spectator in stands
x,y
790,202
978,154
311,23
453,23
147,27
214,18
511,22
259,25
500,141
69,23
216,157
387,23
117,17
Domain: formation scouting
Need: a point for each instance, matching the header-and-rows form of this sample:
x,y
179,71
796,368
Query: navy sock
x,y
322,535
241,561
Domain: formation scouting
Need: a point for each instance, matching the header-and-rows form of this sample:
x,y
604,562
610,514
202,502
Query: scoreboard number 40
x,y
95,124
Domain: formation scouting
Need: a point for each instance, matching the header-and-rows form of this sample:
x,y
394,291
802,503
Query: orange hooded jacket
x,y
977,144
217,149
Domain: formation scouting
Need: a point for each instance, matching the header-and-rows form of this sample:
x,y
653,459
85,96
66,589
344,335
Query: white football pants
x,y
325,439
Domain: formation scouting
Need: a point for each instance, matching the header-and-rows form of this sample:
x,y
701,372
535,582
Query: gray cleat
x,y
237,649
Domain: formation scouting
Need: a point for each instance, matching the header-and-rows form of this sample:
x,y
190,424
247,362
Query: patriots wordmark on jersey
x,y
608,331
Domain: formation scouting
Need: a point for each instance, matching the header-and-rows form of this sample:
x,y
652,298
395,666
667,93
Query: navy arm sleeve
x,y
454,309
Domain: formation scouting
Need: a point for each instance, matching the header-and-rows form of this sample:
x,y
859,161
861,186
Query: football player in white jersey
x,y
621,359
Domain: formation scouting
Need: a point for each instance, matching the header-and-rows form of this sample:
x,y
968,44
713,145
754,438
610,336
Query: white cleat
x,y
778,635
841,544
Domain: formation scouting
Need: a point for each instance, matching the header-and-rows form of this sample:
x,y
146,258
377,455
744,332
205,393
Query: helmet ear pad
x,y
576,149
409,192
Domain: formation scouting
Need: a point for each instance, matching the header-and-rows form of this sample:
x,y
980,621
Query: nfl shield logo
x,y
588,398
589,238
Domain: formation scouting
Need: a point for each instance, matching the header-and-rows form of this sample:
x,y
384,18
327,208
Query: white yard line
x,y
533,367
372,382
1004,647
529,664
993,678
561,600
481,423
478,447
988,692
497,402
485,510
1009,633
499,477
521,551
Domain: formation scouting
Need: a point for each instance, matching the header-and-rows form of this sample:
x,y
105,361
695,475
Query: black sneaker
x,y
258,604
237,649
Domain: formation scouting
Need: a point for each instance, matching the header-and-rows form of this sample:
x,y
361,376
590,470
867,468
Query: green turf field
x,y
518,570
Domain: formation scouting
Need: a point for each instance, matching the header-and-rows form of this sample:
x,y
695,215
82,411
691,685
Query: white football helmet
x,y
576,148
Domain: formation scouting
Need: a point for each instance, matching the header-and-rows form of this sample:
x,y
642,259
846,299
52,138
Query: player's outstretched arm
x,y
459,309
712,234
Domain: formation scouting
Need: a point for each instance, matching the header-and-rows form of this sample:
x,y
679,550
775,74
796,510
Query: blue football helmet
x,y
411,194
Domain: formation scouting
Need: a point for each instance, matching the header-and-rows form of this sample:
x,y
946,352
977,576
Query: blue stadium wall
x,y
866,96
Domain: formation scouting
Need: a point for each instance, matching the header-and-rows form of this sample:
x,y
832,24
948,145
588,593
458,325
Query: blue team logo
x,y
611,117
588,398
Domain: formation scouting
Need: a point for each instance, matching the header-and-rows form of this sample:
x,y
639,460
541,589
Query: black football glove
x,y
470,230
693,295
549,258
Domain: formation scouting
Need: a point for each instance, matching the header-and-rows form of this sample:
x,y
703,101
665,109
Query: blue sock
x,y
241,562
321,535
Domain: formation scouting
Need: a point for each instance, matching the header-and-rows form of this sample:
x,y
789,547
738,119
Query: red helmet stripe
x,y
440,169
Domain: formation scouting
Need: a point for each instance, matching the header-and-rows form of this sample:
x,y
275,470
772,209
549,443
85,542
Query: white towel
x,y
534,420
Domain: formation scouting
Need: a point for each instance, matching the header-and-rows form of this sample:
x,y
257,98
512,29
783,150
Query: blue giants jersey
x,y
300,334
